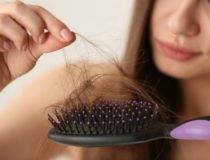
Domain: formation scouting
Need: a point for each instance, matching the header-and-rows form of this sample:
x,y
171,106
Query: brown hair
x,y
139,53
135,76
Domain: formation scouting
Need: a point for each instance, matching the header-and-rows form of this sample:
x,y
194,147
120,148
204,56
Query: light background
x,y
103,22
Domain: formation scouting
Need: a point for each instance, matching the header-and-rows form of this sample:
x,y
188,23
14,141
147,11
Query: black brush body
x,y
153,133
110,123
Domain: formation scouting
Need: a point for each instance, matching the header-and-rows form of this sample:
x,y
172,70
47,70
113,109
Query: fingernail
x,y
24,47
6,45
66,34
41,38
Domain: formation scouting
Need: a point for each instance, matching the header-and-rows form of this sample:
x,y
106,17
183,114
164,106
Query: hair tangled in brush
x,y
106,82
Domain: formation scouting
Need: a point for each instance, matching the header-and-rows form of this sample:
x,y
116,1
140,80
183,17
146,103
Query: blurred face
x,y
180,37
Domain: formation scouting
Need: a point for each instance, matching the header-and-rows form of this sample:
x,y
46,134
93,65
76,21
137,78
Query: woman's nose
x,y
183,20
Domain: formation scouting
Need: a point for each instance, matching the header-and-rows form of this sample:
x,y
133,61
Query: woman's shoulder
x,y
50,80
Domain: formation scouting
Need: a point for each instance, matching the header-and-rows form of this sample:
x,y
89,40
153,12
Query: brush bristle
x,y
106,117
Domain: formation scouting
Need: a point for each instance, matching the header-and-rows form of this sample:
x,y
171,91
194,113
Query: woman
x,y
175,39
167,49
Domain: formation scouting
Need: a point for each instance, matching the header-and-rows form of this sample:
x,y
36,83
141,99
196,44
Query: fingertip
x,y
67,35
73,36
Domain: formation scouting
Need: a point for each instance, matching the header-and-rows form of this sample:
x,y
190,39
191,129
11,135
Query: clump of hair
x,y
106,82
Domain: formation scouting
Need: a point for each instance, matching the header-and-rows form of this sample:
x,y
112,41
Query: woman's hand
x,y
26,32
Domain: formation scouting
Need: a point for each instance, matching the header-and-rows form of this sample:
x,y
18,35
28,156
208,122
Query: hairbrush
x,y
110,122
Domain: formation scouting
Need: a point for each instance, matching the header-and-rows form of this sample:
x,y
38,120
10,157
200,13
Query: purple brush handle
x,y
192,130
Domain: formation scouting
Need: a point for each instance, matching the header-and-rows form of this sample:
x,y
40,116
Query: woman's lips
x,y
176,52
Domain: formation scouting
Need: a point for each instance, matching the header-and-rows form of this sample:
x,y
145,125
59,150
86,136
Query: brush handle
x,y
195,129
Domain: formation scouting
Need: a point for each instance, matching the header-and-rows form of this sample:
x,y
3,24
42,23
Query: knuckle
x,y
38,8
17,6
37,28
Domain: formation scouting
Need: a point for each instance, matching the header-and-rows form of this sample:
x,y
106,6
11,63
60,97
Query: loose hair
x,y
144,69
134,77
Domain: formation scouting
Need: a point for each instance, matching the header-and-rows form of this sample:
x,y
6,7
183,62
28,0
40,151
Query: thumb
x,y
49,45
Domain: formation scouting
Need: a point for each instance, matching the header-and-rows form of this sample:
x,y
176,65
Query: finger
x,y
5,44
26,17
51,44
13,31
54,26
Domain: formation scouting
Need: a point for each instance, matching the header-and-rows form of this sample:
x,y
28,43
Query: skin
x,y
186,23
15,43
27,137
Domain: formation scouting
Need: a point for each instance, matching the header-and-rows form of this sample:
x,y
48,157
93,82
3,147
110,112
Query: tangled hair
x,y
115,84
107,81
139,79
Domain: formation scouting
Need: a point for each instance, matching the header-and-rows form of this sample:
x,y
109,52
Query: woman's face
x,y
180,37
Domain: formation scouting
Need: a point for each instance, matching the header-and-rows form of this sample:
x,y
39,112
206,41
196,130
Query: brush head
x,y
110,121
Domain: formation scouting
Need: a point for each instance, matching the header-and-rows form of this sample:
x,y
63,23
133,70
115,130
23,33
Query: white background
x,y
103,22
